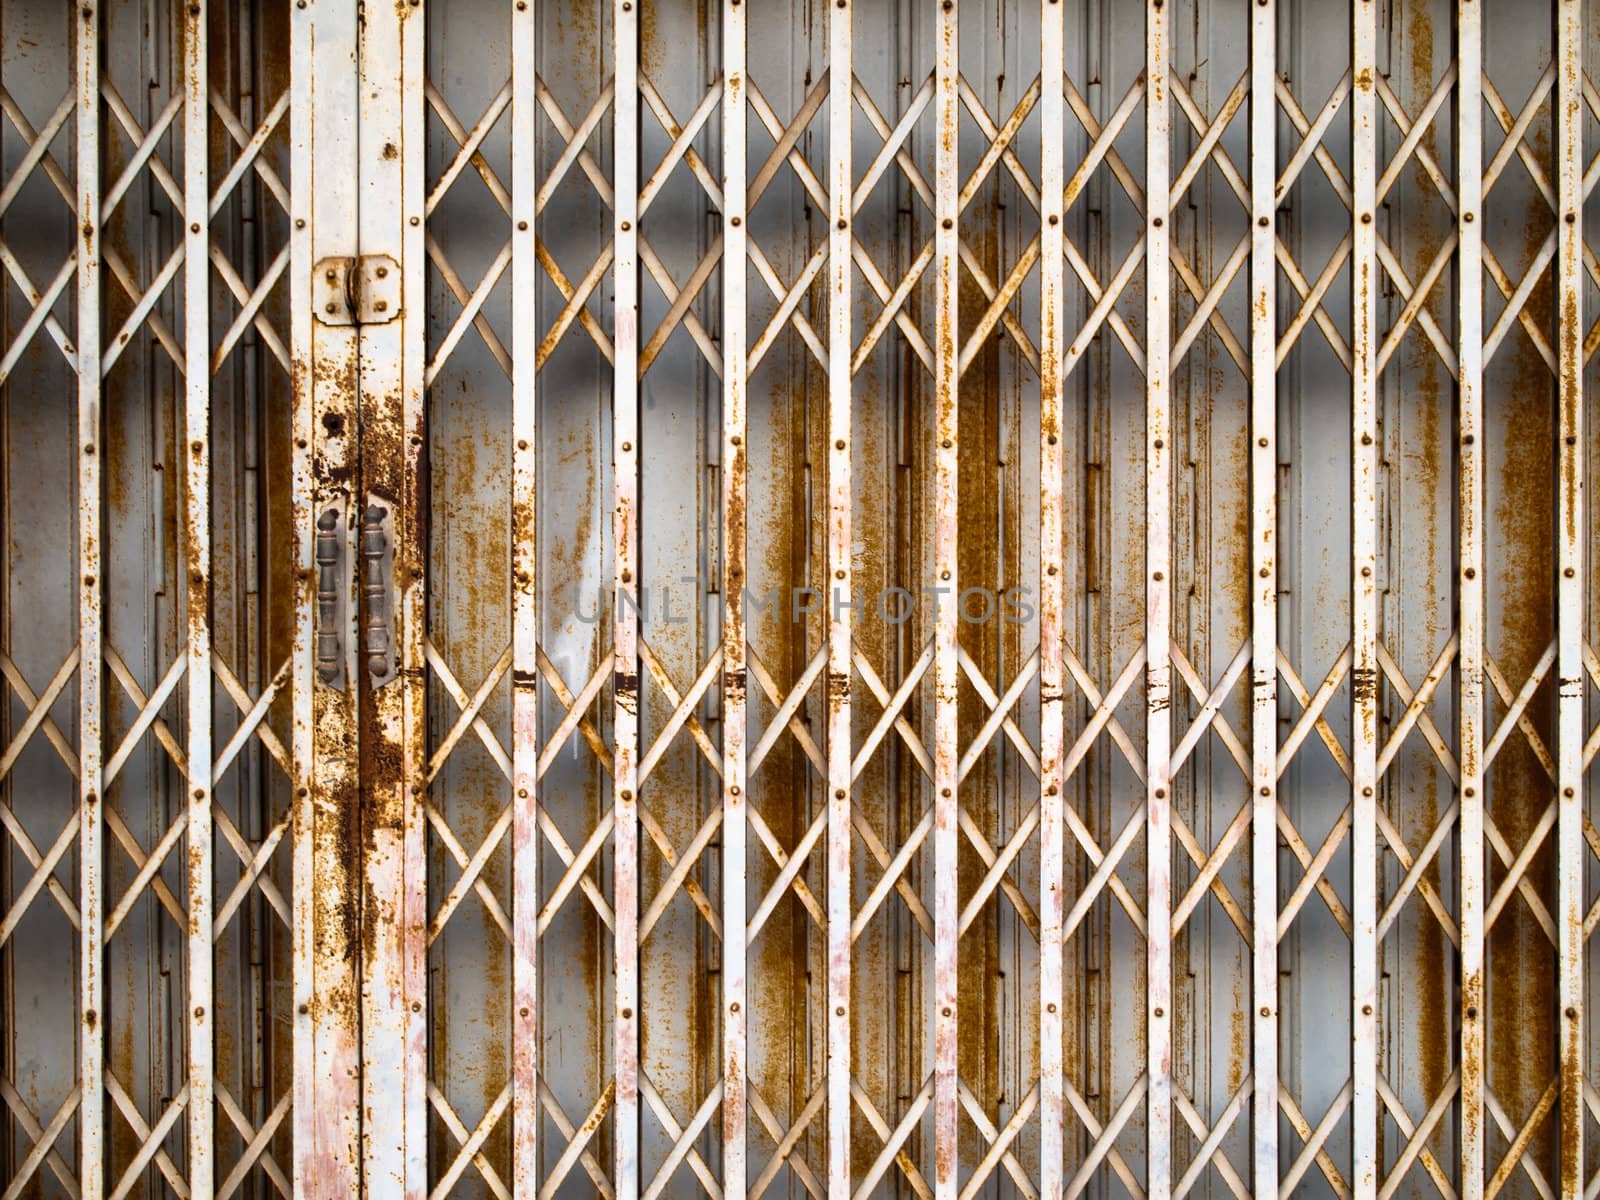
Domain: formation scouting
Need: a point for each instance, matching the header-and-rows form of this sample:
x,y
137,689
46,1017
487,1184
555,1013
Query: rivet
x,y
838,1010
1366,1010
1366,572
1263,222
1366,218
1157,222
1262,442
1467,217
627,447
416,1006
948,223
734,1007
944,574
838,574
1054,219
1572,218
838,793
299,222
627,225
1470,573
382,272
1568,572
944,792
627,1013
304,1009
1266,791
416,220
734,221
1472,1013
199,1011
523,1011
199,793
1159,1012
839,445
1265,1011
1161,793
1469,791
194,227
1366,791
1568,793
1158,576
1158,443
947,443
843,224
1366,439
1572,1013
1050,1007
626,794
945,1011
734,790
88,448
522,793
1266,571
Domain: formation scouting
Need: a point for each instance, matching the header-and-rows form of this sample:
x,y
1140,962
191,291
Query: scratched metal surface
x,y
1421,974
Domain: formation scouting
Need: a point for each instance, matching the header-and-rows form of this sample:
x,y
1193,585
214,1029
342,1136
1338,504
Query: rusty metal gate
x,y
844,598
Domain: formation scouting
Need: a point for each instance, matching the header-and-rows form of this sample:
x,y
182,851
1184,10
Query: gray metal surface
x,y
1253,857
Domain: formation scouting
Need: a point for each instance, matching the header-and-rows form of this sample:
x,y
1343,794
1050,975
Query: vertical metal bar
x,y
91,907
326,882
1469,353
841,75
524,606
947,909
197,552
1364,604
624,612
392,357
302,654
1264,593
734,250
1052,597
1158,602
1570,517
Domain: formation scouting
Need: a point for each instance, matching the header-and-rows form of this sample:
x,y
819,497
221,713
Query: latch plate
x,y
356,291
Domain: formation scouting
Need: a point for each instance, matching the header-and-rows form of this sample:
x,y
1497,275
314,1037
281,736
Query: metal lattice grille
x,y
981,598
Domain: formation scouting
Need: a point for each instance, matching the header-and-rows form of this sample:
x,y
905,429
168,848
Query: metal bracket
x,y
357,291
377,592
331,618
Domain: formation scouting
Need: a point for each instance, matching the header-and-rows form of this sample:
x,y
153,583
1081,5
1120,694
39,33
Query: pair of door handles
x,y
375,543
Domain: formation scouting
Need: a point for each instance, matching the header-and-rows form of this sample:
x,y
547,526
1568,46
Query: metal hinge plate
x,y
356,291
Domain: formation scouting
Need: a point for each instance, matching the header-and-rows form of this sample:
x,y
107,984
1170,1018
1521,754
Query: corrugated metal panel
x,y
903,598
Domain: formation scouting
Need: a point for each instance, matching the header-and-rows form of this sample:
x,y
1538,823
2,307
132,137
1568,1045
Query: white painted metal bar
x,y
197,562
1158,602
1469,582
1365,286
1264,596
389,397
91,625
841,573
1052,597
1571,517
624,611
524,604
734,465
946,683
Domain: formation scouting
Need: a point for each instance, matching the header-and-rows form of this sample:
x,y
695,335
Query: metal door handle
x,y
375,590
330,645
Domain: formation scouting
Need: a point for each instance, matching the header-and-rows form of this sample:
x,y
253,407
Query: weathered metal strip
x,y
91,899
1158,603
524,605
624,610
201,1112
1052,598
840,567
946,684
1570,567
326,882
392,358
1264,596
735,248
1469,582
1365,286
